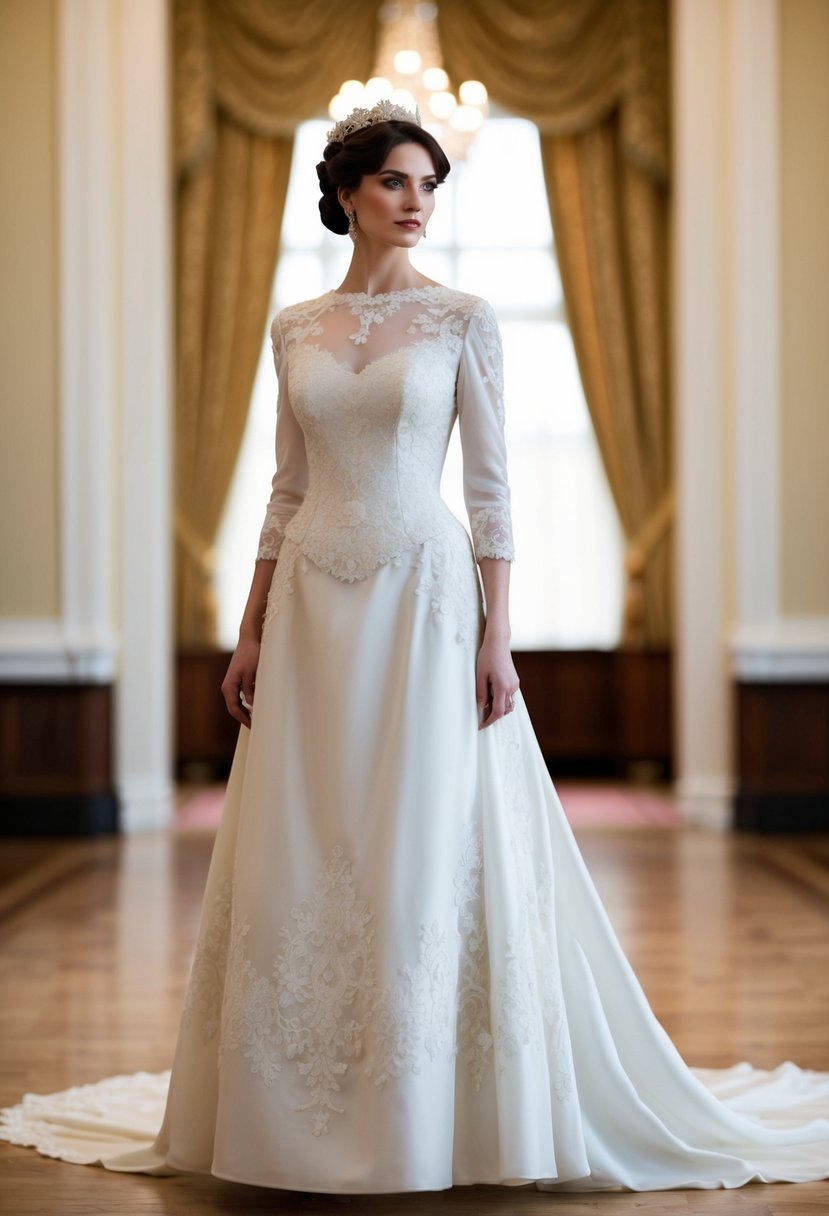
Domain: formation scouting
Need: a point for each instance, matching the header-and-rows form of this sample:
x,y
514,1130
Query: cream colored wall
x,y
804,306
29,539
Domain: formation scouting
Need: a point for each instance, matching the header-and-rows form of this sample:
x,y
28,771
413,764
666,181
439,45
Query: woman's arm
x,y
241,673
496,677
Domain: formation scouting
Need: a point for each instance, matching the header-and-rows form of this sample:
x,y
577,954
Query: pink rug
x,y
586,805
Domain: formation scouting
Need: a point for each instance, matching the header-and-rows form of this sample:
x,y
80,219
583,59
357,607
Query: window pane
x,y
512,279
543,387
501,192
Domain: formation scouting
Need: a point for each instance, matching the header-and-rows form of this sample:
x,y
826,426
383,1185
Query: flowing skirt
x,y
404,978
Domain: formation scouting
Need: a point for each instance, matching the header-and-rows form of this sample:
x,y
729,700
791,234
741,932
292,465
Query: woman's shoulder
x,y
292,318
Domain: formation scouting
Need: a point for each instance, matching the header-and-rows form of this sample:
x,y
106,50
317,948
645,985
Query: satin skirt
x,y
404,979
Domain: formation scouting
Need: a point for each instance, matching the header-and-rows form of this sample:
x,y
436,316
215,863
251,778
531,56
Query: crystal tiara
x,y
383,111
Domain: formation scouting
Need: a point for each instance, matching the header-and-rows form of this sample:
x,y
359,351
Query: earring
x,y
352,225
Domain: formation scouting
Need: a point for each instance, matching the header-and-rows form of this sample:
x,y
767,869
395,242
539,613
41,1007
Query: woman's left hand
x,y
496,680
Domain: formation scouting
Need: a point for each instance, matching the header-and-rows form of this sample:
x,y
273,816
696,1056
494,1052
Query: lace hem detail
x,y
492,533
321,1007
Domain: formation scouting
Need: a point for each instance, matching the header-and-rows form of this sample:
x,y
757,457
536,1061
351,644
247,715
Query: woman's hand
x,y
241,678
496,680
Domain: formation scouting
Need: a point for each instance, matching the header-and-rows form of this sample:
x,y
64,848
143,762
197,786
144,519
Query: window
x,y
490,235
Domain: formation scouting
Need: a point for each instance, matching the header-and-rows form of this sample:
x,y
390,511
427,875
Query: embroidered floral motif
x,y
207,975
414,1015
474,1032
492,532
321,1006
448,579
282,583
308,1009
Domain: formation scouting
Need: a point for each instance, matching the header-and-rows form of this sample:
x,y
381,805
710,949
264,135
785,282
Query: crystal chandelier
x,y
409,70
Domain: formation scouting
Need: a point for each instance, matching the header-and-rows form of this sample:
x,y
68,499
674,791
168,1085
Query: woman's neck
x,y
376,271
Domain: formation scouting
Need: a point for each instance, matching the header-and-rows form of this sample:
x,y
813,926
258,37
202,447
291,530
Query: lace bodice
x,y
369,389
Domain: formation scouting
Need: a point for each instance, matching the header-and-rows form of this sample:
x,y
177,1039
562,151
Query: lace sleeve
x,y
480,397
291,478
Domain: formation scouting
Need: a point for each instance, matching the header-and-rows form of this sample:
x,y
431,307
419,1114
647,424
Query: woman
x,y
404,978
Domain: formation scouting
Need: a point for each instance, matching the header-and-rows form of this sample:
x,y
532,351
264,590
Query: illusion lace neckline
x,y
385,295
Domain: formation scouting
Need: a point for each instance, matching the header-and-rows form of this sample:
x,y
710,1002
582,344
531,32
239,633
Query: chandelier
x,y
409,71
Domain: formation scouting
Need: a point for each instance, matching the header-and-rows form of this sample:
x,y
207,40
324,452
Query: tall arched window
x,y
490,235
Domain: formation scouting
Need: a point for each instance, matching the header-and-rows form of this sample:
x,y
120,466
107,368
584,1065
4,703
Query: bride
x,y
404,979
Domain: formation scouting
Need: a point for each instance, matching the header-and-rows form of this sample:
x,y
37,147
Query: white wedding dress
x,y
404,978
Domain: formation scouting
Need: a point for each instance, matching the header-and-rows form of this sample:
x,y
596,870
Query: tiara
x,y
383,111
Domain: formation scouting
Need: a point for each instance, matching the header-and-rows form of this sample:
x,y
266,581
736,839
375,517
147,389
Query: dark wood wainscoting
x,y
782,757
56,760
595,712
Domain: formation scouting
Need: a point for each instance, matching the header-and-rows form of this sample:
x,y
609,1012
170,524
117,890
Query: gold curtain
x,y
246,72
593,75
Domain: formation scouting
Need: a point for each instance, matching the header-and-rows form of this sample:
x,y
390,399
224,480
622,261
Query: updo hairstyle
x,y
365,151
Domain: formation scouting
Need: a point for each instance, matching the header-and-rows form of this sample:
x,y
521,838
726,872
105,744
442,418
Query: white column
x,y
703,733
145,324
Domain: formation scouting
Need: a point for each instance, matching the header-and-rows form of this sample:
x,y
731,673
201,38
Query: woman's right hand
x,y
241,678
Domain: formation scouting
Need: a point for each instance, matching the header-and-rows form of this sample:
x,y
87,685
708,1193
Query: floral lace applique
x,y
308,1009
474,1030
448,578
415,1015
492,532
282,583
207,975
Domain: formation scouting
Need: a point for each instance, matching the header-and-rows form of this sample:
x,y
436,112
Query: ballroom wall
x,y
804,312
28,310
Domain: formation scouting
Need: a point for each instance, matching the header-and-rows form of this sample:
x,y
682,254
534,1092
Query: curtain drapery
x,y
593,76
246,73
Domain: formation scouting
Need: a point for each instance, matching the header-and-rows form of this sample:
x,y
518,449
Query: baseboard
x,y
67,815
782,812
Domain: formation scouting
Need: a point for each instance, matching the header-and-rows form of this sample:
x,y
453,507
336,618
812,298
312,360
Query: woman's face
x,y
400,193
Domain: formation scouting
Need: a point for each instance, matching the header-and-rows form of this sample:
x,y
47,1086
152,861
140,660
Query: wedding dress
x,y
404,978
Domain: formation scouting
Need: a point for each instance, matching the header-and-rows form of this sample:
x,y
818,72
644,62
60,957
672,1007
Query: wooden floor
x,y
729,935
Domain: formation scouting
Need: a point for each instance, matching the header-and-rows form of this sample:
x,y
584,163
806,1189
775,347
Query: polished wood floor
x,y
729,935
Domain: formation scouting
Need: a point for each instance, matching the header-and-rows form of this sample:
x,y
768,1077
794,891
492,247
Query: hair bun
x,y
331,210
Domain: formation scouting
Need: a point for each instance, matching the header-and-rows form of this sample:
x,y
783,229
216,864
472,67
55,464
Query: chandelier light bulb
x,y
435,79
407,62
466,118
339,106
352,91
402,97
442,104
377,87
473,93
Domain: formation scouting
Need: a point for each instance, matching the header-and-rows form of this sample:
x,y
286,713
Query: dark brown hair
x,y
365,151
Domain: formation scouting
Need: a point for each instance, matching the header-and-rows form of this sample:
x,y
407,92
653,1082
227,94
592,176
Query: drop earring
x,y
352,225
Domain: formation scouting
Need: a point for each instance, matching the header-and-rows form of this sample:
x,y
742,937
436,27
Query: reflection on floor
x,y
587,804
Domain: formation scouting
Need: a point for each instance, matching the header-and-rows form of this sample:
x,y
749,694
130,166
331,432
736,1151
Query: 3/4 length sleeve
x,y
290,480
480,401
